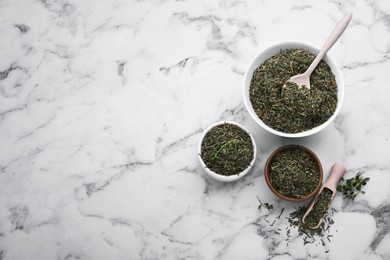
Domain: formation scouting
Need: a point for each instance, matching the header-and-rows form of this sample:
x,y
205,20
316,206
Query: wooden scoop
x,y
336,172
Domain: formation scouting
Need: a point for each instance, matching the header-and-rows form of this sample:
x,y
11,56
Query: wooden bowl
x,y
267,172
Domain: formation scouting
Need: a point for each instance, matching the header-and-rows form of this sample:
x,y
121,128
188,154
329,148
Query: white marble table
x,y
102,104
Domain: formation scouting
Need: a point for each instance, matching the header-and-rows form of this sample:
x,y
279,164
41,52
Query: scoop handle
x,y
333,37
336,172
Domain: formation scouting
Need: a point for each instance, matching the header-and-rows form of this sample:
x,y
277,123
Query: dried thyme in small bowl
x,y
226,151
293,173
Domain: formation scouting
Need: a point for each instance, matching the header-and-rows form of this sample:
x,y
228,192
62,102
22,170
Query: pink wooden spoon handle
x,y
336,173
333,37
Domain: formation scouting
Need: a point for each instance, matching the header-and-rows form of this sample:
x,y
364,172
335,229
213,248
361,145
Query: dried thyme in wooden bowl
x,y
293,172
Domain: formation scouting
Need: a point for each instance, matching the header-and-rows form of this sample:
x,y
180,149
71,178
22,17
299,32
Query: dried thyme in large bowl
x,y
292,109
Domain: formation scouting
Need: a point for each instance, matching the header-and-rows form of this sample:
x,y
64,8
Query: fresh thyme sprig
x,y
353,186
223,148
266,205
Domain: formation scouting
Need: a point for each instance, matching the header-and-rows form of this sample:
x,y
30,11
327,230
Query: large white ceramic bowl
x,y
215,175
275,49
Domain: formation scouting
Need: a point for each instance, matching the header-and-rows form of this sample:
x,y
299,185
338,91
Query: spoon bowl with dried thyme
x,y
303,80
286,110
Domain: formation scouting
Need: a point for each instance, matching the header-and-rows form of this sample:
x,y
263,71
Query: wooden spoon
x,y
303,80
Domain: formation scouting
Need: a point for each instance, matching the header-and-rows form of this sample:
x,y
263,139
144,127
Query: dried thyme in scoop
x,y
227,149
292,109
294,173
319,209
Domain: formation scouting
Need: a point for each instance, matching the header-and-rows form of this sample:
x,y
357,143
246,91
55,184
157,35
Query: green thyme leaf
x,y
266,205
352,186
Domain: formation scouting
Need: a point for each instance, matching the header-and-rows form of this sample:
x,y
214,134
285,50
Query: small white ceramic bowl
x,y
273,50
217,176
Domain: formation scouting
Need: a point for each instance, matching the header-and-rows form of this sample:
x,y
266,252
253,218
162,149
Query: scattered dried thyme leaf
x,y
292,109
227,149
307,234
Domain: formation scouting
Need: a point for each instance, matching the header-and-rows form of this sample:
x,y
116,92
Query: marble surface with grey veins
x,y
102,104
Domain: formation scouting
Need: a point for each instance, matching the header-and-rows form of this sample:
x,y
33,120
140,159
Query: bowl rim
x,y
221,177
268,165
274,49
